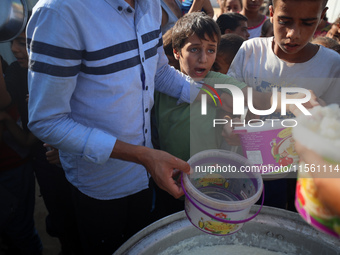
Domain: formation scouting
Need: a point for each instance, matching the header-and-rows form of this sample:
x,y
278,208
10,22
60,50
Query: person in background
x,y
233,23
55,190
195,38
334,31
289,59
171,12
231,6
267,29
322,28
17,181
227,49
189,6
251,9
91,94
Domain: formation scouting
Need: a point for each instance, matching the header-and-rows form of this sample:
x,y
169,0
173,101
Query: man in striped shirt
x,y
94,66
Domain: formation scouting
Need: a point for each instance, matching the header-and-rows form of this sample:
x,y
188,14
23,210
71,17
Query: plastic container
x,y
218,202
270,147
315,133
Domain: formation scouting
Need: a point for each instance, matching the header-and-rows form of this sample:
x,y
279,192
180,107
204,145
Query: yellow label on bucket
x,y
216,227
284,133
215,179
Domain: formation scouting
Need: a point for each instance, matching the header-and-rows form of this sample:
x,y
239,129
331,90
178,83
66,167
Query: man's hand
x,y
163,168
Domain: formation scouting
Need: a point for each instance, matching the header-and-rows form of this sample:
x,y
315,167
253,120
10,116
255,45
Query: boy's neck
x,y
304,55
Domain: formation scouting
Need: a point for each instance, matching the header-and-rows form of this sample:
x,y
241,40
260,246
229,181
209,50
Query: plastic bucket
x,y
270,147
218,202
306,201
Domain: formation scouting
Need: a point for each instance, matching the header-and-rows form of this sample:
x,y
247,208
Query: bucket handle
x,y
219,219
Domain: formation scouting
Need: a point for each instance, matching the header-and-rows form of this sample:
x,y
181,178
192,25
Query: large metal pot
x,y
13,18
273,229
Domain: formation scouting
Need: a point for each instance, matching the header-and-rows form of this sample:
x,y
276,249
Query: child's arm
x,y
23,138
198,5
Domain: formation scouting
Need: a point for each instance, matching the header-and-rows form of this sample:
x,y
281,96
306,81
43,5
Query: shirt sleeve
x,y
174,83
52,79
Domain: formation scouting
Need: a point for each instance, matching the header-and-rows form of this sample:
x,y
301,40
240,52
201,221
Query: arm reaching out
x,y
161,165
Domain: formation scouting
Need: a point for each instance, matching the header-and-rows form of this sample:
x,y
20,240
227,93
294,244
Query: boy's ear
x,y
176,54
323,13
271,11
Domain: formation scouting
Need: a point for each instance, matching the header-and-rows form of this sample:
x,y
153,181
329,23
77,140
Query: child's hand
x,y
229,136
52,154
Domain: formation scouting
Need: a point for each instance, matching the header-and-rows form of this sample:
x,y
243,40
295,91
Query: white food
x,y
227,250
324,121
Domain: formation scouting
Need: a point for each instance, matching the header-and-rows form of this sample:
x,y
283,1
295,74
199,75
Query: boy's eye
x,y
308,24
193,49
211,51
282,22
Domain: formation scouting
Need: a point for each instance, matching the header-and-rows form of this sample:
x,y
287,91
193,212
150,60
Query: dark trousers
x,y
17,198
56,192
105,225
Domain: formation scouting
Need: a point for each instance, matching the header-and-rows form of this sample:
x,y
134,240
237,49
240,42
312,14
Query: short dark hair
x,y
197,23
324,2
230,20
265,27
229,46
325,41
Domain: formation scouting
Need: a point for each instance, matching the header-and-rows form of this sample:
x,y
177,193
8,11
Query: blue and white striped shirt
x,y
93,69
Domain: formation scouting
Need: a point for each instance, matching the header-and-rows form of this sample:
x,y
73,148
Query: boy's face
x,y
197,56
294,24
233,6
334,32
18,47
252,5
242,30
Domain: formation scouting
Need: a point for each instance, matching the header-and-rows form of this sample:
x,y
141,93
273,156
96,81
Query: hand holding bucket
x,y
219,203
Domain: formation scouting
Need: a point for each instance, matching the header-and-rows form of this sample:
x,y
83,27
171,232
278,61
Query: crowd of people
x,y
98,106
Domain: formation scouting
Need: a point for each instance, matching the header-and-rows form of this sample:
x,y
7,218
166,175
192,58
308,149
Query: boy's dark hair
x,y
229,46
197,23
230,20
336,48
324,2
326,41
167,42
265,27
